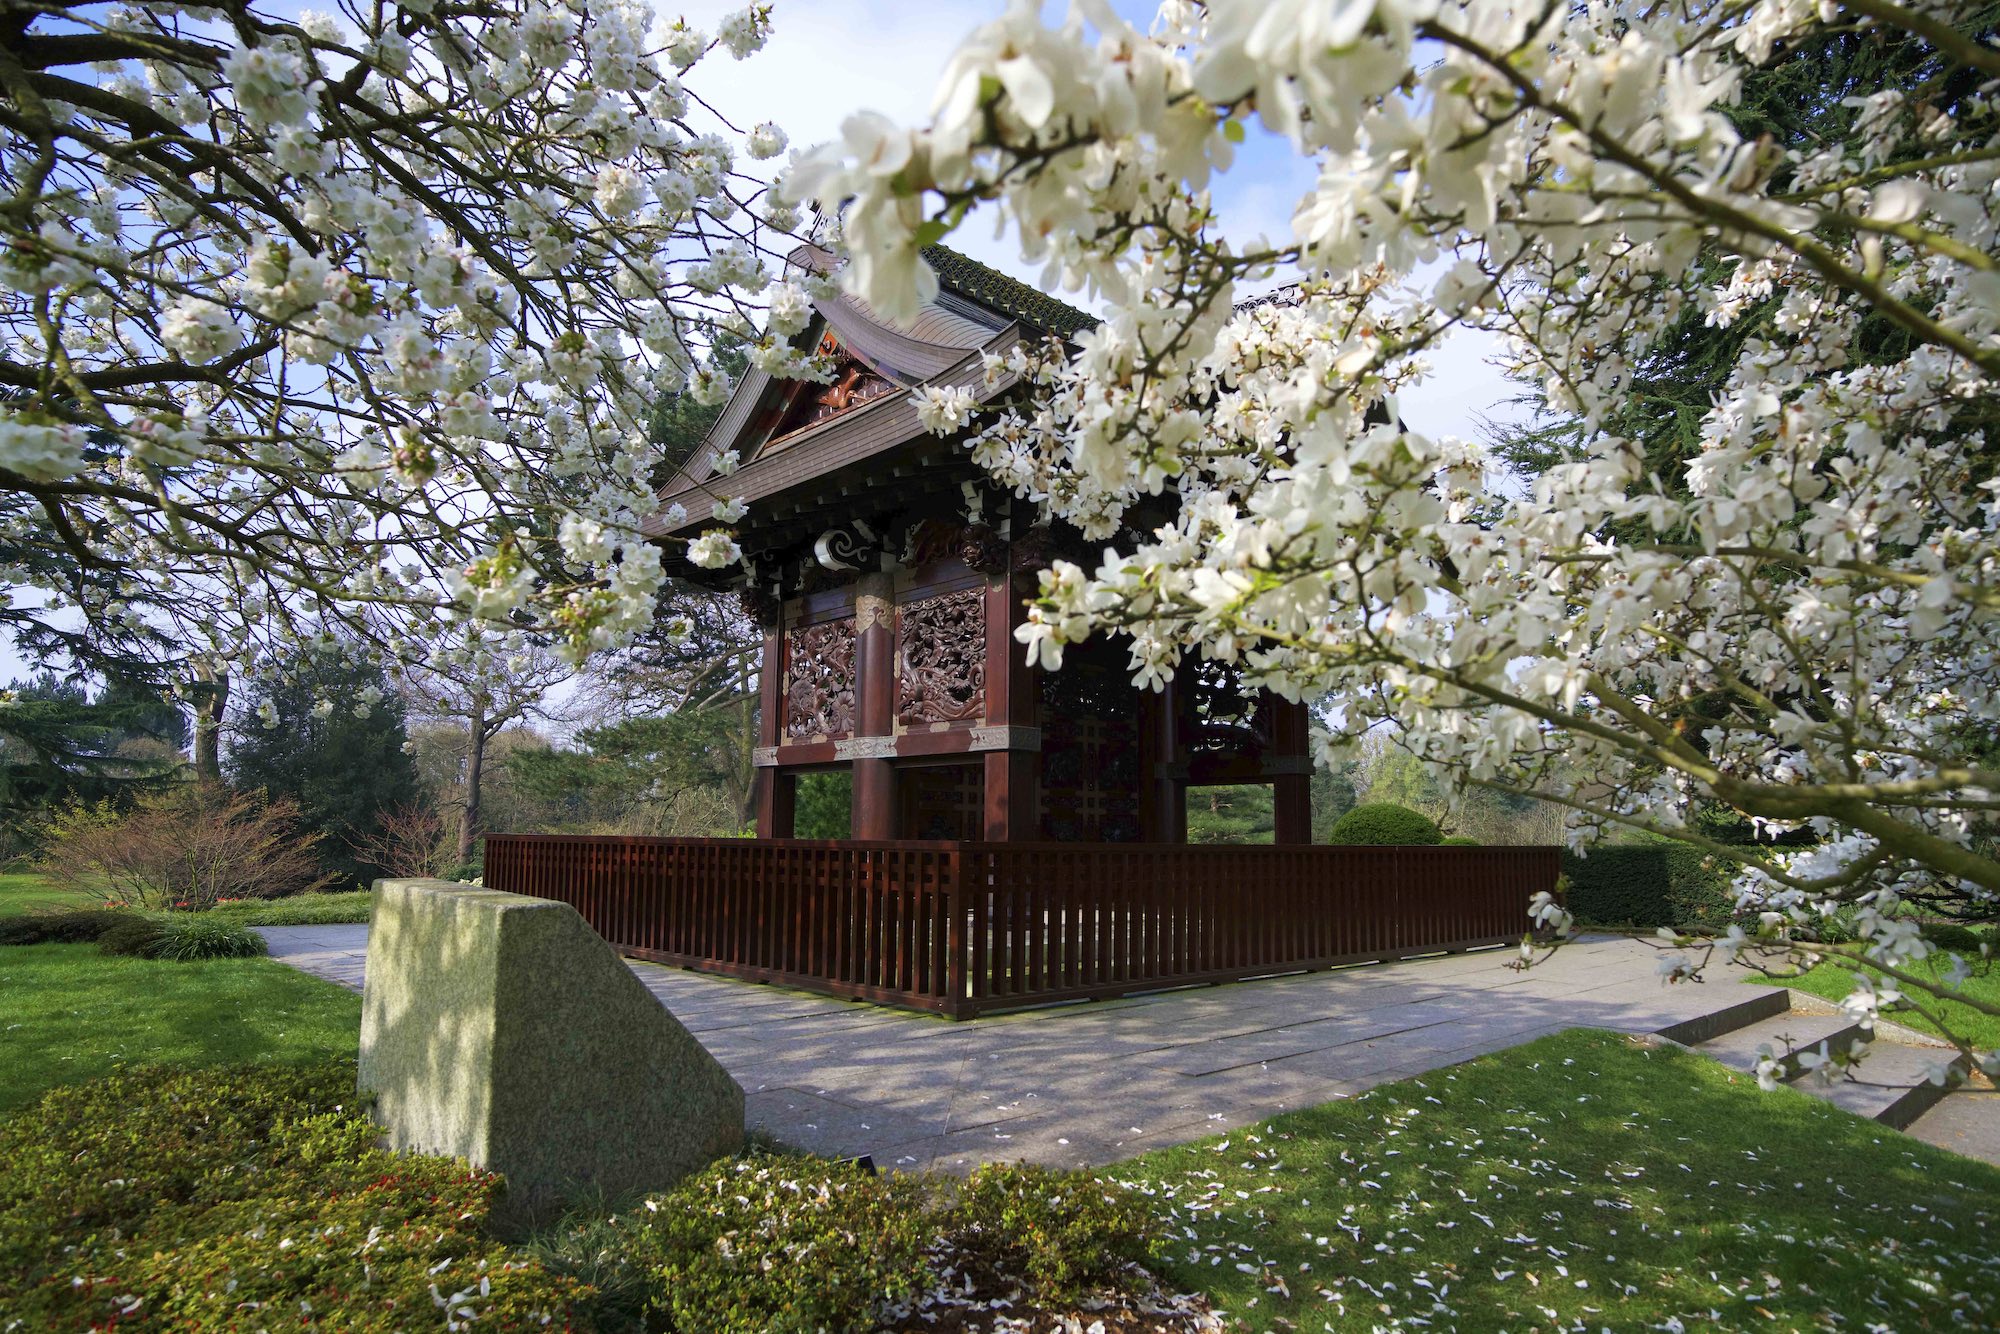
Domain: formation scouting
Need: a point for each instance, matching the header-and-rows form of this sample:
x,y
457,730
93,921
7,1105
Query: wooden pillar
x,y
1292,765
1013,775
1164,765
874,811
774,812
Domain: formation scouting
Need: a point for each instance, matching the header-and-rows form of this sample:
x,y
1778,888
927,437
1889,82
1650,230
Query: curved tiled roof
x,y
1009,296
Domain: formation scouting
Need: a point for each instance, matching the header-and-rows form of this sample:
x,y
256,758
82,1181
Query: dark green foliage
x,y
626,765
186,938
680,424
344,769
1648,885
61,744
825,805
1333,796
1066,1233
67,928
136,937
1385,824
1245,813
246,1198
1458,841
1966,939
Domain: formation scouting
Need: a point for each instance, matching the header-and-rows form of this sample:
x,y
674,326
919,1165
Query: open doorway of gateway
x,y
941,801
1232,813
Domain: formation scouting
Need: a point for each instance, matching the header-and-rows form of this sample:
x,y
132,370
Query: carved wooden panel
x,y
819,680
941,658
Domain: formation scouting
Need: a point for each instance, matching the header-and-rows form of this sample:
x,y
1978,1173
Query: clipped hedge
x,y
74,927
1385,824
1648,885
245,1199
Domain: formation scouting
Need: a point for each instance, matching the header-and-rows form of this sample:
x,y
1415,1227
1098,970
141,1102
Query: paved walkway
x,y
1083,1085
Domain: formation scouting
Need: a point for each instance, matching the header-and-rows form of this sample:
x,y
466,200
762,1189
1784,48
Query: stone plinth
x,y
502,1029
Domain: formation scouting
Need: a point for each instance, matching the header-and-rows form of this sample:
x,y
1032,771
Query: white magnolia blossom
x,y
353,322
1800,626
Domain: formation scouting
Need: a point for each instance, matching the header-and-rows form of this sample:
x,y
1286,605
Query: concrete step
x,y
1966,1121
1786,1036
1890,1085
1767,1003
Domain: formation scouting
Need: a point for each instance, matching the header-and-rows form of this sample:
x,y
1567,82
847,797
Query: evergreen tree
x,y
59,744
329,736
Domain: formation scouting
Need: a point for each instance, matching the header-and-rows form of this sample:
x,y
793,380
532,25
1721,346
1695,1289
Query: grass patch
x,y
1832,982
1583,1179
25,892
71,1014
298,910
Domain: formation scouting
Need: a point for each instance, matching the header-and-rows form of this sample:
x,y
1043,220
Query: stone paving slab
x,y
1090,1084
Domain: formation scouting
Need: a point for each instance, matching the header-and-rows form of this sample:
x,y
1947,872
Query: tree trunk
x,y
475,763
211,700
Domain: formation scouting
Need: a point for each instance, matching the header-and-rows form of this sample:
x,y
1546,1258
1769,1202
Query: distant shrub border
x,y
1385,824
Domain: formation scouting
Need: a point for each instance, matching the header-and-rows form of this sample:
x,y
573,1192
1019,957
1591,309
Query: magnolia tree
x,y
1804,628
346,325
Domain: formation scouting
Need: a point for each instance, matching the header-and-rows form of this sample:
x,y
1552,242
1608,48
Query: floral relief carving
x,y
819,680
941,659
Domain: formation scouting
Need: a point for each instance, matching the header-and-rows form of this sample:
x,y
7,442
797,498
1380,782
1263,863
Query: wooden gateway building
x,y
889,574
1017,837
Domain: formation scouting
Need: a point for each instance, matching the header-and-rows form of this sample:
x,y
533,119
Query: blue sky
x,y
830,58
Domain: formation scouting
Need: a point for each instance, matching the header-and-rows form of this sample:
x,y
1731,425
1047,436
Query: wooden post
x,y
1166,790
874,705
770,721
1292,784
1012,806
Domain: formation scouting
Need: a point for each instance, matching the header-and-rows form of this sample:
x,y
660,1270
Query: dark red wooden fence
x,y
965,928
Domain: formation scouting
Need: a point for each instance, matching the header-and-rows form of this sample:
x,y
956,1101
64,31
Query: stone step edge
x,y
1767,1004
1902,1109
1885,1030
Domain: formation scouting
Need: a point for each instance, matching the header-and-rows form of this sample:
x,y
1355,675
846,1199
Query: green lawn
x,y
68,1013
1834,981
1584,1180
25,892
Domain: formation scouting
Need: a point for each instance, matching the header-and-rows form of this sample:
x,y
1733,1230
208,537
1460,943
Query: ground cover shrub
x,y
1067,1233
1385,824
248,1198
770,1245
1648,885
69,928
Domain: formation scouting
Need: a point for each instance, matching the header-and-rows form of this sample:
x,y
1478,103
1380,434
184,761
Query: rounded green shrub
x,y
1458,841
135,937
1385,824
184,939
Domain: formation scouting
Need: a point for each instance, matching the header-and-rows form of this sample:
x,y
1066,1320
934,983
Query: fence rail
x,y
967,928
